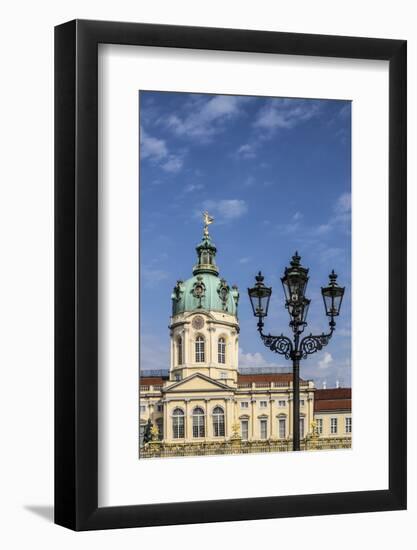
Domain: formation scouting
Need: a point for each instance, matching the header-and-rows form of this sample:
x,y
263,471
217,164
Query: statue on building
x,y
147,435
207,221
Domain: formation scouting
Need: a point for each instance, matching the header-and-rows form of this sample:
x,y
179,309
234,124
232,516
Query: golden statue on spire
x,y
207,221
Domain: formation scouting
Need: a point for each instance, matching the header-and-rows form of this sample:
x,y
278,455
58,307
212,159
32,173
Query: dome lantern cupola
x,y
205,290
206,254
206,251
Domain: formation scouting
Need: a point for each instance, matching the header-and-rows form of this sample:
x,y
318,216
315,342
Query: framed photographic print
x,y
230,275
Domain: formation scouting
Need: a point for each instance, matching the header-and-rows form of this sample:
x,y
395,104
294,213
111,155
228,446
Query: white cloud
x,y
339,218
297,216
246,151
323,229
232,209
255,360
151,147
286,113
326,362
289,228
338,371
343,203
345,111
205,117
173,164
225,210
151,277
245,260
193,187
249,181
156,151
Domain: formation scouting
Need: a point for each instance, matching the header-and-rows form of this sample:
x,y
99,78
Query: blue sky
x,y
275,173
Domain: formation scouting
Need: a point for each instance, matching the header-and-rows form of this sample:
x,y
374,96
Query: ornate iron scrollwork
x,y
310,344
279,344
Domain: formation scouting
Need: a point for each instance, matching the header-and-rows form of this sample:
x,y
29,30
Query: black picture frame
x,y
76,272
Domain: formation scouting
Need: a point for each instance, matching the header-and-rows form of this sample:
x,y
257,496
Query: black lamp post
x,y
294,282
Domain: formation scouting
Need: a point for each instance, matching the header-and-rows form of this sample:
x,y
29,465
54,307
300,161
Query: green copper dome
x,y
205,291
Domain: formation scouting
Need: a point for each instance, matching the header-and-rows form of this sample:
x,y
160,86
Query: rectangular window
x,y
177,376
198,425
319,422
179,351
199,350
263,404
244,404
264,428
302,403
301,428
281,428
221,351
159,408
244,429
333,425
348,425
281,403
178,427
218,425
143,408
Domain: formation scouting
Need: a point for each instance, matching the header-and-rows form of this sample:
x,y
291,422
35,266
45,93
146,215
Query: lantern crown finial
x,y
333,277
259,278
295,262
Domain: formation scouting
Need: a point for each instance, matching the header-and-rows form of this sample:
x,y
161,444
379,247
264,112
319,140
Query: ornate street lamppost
x,y
294,282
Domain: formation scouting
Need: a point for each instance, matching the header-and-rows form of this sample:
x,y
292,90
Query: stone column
x,y
206,414
290,412
164,419
253,401
310,418
168,423
172,357
271,422
186,346
210,343
151,407
186,421
229,417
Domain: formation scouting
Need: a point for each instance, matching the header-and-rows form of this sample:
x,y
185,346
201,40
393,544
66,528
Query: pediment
x,y
196,383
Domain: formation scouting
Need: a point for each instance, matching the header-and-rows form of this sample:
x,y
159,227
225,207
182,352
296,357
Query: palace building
x,y
204,402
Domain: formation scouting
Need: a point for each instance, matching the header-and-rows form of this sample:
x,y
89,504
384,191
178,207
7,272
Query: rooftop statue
x,y
207,221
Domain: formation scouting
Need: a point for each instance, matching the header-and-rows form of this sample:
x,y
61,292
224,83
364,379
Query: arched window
x,y
221,350
179,351
199,349
198,422
178,424
205,257
160,426
218,422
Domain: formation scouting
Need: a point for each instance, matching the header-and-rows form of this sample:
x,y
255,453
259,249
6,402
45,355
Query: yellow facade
x,y
204,399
